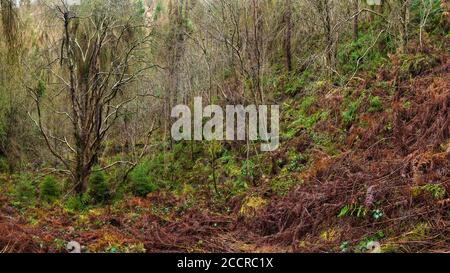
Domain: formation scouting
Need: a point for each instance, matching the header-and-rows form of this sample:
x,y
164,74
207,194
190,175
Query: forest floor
x,y
388,183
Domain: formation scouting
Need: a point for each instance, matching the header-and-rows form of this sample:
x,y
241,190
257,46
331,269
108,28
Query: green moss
x,y
390,248
330,234
297,162
407,105
437,191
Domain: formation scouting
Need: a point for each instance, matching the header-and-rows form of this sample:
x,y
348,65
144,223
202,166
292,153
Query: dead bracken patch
x,y
351,191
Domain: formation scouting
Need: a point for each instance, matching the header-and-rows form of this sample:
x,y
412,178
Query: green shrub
x,y
304,116
99,188
77,203
24,191
353,54
141,182
297,84
49,190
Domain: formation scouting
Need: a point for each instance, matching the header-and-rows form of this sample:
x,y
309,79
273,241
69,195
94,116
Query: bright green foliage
x,y
350,113
24,191
361,55
77,203
49,190
377,214
321,100
141,181
344,247
99,188
233,171
407,105
353,210
304,117
437,191
297,162
326,142
297,84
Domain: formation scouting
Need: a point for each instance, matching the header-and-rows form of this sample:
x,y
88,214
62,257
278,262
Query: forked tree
x,y
101,54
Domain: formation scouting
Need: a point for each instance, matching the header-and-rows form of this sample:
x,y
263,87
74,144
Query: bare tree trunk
x,y
254,36
288,34
82,174
356,20
328,34
176,44
403,23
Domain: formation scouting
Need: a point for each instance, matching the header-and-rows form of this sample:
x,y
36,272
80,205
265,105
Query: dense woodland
x,y
86,153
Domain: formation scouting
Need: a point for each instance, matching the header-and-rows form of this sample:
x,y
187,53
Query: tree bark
x,y
288,35
356,20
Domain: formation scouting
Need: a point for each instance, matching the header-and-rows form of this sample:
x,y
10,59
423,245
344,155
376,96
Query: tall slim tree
x,y
288,34
355,20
